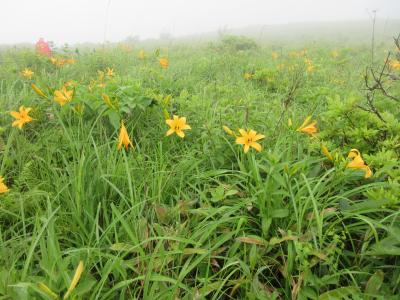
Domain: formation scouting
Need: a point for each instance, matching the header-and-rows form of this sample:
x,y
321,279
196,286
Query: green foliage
x,y
237,43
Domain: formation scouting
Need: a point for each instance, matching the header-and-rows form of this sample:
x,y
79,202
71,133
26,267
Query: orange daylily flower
x,y
163,62
177,125
249,139
123,138
110,72
27,73
308,126
247,76
63,96
3,187
358,163
21,116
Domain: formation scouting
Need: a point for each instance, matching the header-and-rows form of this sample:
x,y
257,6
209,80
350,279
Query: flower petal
x,y
258,137
119,147
241,140
256,146
252,133
16,123
169,132
243,132
353,153
305,123
15,114
180,133
368,172
356,163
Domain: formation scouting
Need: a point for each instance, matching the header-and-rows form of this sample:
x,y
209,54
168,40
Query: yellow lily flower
x,y
249,139
3,187
275,55
123,138
395,64
334,54
110,72
59,62
177,125
247,76
163,62
21,117
358,163
308,126
37,90
75,279
53,60
27,73
63,96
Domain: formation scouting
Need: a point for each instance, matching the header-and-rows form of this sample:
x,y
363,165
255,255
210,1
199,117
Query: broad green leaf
x,y
374,283
114,119
343,293
280,213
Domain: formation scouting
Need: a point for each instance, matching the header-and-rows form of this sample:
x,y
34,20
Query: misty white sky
x,y
85,20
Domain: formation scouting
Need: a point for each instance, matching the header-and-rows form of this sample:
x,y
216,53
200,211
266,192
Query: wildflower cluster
x,y
248,138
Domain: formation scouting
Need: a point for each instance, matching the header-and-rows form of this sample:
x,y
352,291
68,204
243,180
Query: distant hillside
x,y
340,32
351,31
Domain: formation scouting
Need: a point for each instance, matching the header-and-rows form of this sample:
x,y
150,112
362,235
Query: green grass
x,y
196,218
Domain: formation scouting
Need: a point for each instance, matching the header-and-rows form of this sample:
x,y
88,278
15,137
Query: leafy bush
x,y
237,43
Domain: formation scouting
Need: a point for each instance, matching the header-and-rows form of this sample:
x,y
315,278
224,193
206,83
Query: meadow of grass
x,y
196,217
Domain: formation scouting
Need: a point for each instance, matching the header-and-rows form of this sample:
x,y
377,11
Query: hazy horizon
x,y
73,21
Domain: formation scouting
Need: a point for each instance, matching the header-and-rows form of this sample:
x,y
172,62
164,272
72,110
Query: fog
x,y
75,21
